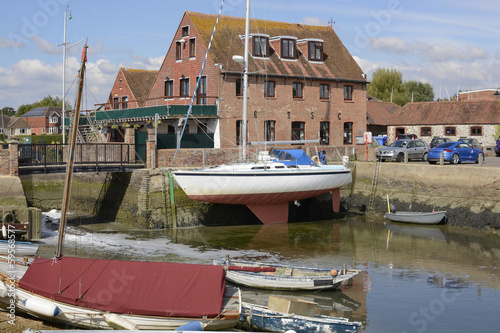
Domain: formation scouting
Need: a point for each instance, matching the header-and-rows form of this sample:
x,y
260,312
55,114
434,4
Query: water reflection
x,y
446,271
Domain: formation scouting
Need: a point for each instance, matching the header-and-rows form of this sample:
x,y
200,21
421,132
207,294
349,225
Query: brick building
x,y
303,83
131,88
480,94
44,120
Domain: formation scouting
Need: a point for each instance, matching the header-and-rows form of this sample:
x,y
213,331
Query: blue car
x,y
497,147
455,152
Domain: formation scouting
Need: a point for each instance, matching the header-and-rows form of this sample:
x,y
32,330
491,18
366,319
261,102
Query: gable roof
x,y
140,81
337,64
446,113
17,123
42,111
380,113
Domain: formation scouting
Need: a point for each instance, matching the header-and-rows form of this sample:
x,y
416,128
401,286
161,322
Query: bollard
x,y
406,156
441,158
480,159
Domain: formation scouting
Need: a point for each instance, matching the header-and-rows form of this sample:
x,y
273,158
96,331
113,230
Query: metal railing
x,y
85,153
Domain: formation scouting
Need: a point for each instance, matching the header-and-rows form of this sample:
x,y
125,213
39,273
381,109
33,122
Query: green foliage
x,y
43,139
8,111
46,101
389,82
497,132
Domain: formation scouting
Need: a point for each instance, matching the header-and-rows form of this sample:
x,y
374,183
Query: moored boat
x,y
262,318
18,248
416,217
283,277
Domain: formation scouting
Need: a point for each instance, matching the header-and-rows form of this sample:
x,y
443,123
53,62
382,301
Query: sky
x,y
451,44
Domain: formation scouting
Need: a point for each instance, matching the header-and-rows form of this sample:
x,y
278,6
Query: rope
x,y
198,83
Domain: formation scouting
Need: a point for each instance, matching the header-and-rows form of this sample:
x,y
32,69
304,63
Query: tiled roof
x,y
444,113
139,81
18,123
338,63
42,111
380,113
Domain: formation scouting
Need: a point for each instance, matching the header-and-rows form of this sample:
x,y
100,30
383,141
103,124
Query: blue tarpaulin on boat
x,y
291,157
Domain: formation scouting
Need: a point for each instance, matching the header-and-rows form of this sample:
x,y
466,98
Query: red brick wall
x,y
120,89
37,124
486,94
190,68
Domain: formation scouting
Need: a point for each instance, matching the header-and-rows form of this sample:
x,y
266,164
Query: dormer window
x,y
260,46
288,48
315,51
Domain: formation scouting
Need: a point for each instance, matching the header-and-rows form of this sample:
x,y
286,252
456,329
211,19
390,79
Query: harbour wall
x,y
142,199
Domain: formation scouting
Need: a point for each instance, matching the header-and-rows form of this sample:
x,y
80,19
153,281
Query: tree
x,y
46,101
8,111
388,84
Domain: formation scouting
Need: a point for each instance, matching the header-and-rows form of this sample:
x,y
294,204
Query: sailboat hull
x,y
265,186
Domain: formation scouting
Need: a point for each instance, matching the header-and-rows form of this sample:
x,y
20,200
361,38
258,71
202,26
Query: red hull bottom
x,y
270,208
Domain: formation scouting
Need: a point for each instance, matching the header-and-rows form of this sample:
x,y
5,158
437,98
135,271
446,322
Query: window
x,y
260,46
269,88
425,131
476,130
298,130
324,90
324,132
178,50
347,93
124,102
53,130
184,87
192,48
116,103
348,133
185,31
449,131
169,88
23,131
269,126
201,94
288,48
297,90
239,87
315,51
53,120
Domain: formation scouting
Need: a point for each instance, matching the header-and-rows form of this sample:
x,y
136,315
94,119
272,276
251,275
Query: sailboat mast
x,y
245,84
71,152
63,78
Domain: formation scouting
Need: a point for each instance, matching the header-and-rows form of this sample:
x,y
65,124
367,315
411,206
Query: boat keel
x,y
336,200
271,214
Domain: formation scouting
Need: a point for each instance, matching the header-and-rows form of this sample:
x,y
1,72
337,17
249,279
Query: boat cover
x,y
291,157
130,287
253,269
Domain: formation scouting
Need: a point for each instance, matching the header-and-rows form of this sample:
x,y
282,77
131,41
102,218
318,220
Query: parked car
x,y
407,136
455,152
417,149
472,142
497,147
438,141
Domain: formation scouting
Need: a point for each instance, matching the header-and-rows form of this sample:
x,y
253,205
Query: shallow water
x,y
414,279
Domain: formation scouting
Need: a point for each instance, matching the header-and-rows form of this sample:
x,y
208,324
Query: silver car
x,y
417,150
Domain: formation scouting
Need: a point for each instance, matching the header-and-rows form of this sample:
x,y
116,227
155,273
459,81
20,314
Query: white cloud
x,y
448,52
308,20
8,43
45,46
366,66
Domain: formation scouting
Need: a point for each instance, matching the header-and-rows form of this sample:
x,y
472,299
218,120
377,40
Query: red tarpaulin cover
x,y
253,269
142,288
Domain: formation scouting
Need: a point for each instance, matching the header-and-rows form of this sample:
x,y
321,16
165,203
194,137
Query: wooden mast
x,y
70,157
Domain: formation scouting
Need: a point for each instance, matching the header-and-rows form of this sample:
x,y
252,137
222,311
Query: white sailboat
x,y
267,186
106,294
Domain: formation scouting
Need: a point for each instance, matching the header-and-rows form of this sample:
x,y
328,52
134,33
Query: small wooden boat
x,y
283,277
416,217
18,248
18,229
264,319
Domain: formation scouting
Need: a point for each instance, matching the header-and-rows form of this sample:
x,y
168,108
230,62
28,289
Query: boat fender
x,y
3,290
4,231
191,326
270,273
42,307
333,272
315,159
117,322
